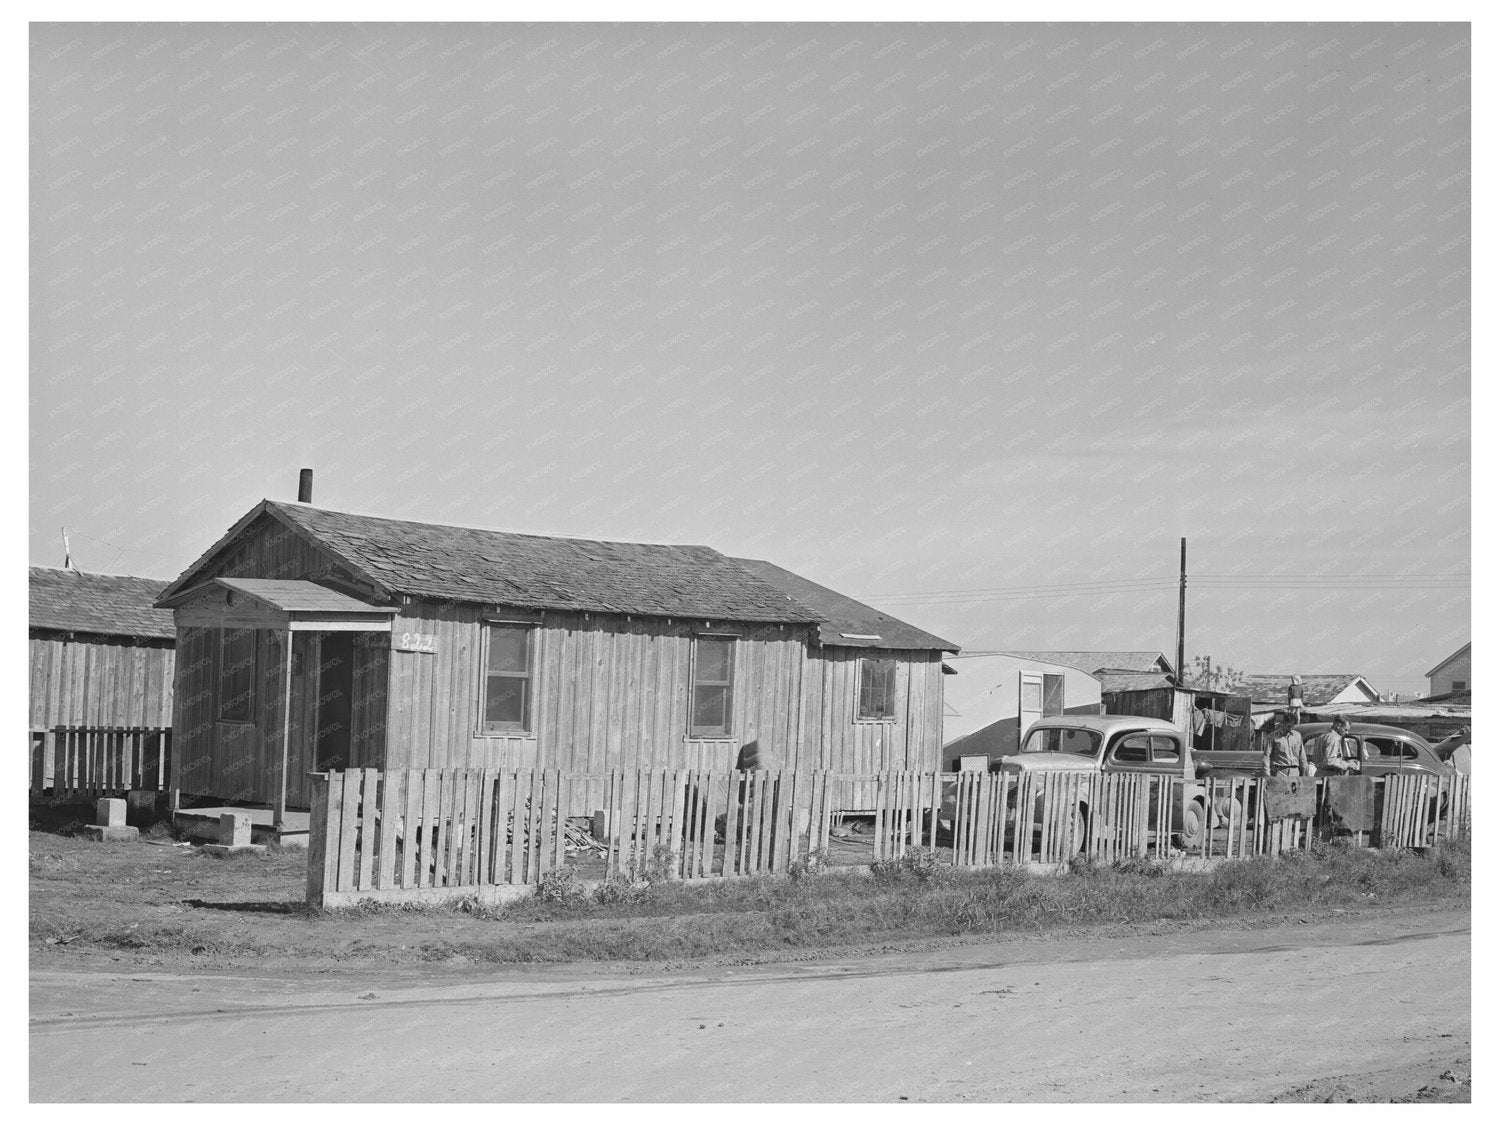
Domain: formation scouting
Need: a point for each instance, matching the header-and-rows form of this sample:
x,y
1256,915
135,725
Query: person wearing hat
x,y
1281,751
1331,754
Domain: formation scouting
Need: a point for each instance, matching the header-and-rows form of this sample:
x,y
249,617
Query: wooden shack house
x,y
102,660
312,639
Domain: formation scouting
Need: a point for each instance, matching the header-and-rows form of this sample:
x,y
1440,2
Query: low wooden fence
x,y
432,834
80,763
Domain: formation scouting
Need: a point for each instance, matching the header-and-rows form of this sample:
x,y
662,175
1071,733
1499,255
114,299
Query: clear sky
x,y
971,321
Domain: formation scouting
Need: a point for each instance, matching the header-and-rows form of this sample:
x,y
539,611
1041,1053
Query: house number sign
x,y
414,642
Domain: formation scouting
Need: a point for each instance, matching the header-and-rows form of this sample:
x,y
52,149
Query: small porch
x,y
298,684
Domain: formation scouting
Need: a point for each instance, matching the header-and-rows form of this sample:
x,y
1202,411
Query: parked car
x,y
1128,744
1384,750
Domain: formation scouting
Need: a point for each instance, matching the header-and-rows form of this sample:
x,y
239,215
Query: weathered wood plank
x,y
431,830
558,825
318,834
349,826
411,819
391,796
368,833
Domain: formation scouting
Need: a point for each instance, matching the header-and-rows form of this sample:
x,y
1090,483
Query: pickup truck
x,y
1129,744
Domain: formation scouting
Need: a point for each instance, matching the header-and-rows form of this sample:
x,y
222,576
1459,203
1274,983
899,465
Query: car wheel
x,y
1080,830
1224,808
1194,826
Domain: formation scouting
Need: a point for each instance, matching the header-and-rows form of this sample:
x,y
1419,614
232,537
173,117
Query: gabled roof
x,y
109,604
477,566
1448,660
1317,689
842,620
1114,661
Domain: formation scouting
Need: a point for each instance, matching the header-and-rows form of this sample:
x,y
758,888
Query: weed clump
x,y
808,865
919,865
561,887
620,890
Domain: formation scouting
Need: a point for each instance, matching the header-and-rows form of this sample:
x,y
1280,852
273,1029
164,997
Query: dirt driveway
x,y
1374,1007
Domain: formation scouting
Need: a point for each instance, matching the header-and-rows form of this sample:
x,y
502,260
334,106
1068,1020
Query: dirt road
x,y
1377,1007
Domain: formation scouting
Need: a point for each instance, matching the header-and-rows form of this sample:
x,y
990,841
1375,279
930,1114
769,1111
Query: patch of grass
x,y
165,905
917,865
914,899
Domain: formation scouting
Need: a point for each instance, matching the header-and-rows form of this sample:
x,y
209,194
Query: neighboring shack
x,y
101,654
101,657
419,645
1219,724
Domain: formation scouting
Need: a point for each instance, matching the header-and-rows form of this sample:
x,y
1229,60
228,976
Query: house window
x,y
877,689
1460,685
713,687
507,678
237,675
1052,695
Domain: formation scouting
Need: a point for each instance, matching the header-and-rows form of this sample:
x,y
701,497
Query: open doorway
x,y
335,701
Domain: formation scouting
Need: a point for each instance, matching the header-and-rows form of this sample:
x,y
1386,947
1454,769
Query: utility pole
x,y
1181,612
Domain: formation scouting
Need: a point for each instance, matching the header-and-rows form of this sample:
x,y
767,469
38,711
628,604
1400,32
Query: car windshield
x,y
1062,740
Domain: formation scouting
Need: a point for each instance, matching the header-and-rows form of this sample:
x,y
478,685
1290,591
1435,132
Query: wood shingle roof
x,y
844,621
478,566
108,604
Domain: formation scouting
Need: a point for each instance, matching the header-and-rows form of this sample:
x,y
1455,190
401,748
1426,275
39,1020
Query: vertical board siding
x,y
608,693
242,761
100,682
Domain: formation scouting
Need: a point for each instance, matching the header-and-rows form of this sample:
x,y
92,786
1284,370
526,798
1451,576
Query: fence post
x,y
317,841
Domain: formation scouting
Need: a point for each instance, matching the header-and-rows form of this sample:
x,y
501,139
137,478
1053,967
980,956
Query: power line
x,y
132,550
1141,585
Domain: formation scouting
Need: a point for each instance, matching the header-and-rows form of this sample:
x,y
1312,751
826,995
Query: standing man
x,y
1331,754
1281,751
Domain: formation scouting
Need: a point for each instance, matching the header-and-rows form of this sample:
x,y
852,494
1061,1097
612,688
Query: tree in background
x,y
1203,673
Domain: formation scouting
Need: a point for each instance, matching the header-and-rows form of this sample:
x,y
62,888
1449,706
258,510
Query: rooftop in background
x,y
844,621
1093,662
1132,681
1460,698
1449,659
72,601
1317,688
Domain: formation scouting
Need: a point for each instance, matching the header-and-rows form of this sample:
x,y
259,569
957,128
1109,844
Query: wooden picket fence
x,y
412,835
82,763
